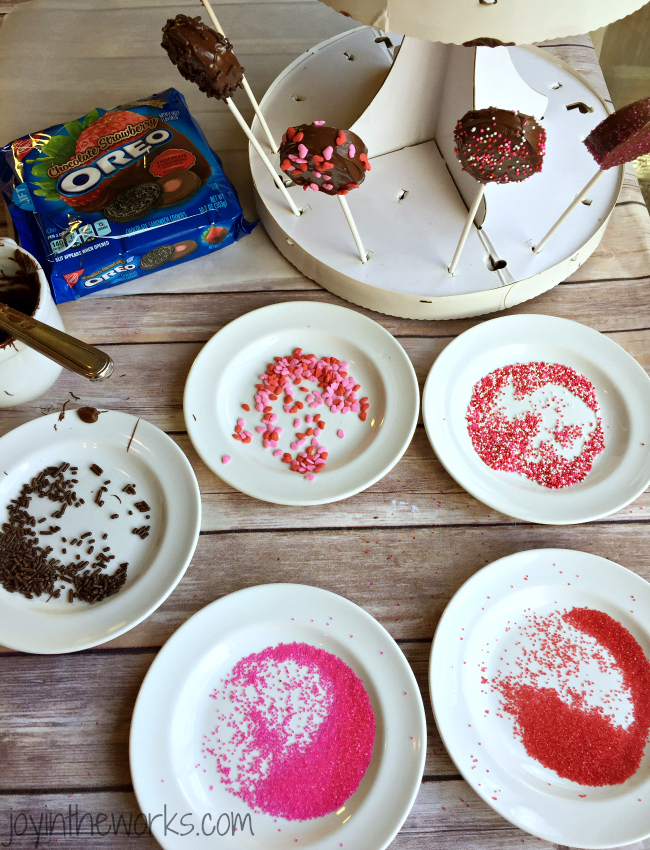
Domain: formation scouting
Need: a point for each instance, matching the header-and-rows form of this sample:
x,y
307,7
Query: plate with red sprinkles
x,y
283,715
541,418
301,403
101,516
540,683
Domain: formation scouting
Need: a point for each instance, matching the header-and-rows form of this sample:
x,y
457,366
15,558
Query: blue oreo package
x,y
119,194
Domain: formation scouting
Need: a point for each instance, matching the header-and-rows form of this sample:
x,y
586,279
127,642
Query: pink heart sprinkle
x,y
316,173
302,151
314,187
226,459
327,153
352,151
318,123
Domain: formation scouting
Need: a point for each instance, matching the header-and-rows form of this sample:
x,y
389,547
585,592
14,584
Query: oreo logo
x,y
82,180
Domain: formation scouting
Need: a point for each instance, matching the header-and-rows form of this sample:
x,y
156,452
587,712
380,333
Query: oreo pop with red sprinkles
x,y
319,158
499,146
622,137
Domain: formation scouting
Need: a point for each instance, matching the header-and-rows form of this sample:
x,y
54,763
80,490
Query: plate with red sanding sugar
x,y
301,403
101,517
540,684
283,715
541,418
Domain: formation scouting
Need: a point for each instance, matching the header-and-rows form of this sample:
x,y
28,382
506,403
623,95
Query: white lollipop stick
x,y
267,162
468,224
247,88
346,210
567,212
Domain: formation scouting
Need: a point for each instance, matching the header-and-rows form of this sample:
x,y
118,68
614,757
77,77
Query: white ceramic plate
x,y
163,478
174,710
619,474
224,375
486,609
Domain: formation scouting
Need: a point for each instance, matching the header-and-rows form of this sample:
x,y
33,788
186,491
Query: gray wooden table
x,y
64,721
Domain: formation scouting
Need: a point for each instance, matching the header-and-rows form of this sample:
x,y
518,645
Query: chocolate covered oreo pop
x,y
621,137
499,146
496,146
203,56
318,157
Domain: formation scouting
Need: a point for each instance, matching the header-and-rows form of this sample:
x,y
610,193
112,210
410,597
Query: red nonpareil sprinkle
x,y
294,732
561,726
516,444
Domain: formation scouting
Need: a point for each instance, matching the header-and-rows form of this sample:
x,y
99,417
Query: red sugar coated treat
x,y
622,137
559,727
294,732
499,146
508,444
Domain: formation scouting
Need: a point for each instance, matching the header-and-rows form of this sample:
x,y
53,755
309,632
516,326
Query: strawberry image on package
x,y
109,197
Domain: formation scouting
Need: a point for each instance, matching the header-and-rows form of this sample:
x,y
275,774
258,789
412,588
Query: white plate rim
x,y
446,622
243,597
193,386
122,426
498,329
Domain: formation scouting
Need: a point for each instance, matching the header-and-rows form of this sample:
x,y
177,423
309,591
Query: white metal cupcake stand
x,y
412,206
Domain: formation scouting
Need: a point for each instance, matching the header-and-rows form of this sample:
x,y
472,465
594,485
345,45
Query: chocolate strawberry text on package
x,y
118,194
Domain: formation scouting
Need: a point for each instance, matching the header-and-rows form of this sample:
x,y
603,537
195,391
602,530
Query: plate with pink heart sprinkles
x,y
301,403
541,418
282,716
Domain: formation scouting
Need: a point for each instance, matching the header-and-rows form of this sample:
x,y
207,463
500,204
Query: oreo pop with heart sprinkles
x,y
323,158
318,157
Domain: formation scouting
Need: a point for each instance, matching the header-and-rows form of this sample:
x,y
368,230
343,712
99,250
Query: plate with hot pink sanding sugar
x,y
282,715
540,684
301,403
541,418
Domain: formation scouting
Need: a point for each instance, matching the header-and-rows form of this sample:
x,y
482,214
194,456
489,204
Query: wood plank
x,y
404,577
607,305
446,815
149,378
80,736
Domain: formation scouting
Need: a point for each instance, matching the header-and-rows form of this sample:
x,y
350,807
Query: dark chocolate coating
x,y
485,41
177,186
203,56
20,291
317,157
183,249
499,146
621,137
88,414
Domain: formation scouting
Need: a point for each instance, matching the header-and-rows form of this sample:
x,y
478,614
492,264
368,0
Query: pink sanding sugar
x,y
295,734
508,444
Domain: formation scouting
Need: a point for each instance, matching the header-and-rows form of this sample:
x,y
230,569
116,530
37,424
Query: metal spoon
x,y
71,353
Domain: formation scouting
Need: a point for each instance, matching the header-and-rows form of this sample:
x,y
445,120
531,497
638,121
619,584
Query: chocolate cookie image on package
x,y
203,56
134,203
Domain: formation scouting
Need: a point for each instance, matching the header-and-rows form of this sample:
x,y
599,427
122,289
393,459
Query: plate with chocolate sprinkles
x,y
541,418
101,516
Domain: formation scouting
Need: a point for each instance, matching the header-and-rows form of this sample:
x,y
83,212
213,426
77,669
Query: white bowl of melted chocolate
x,y
24,373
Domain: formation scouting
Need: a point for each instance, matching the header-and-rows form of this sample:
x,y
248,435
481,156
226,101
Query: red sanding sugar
x,y
591,733
522,442
294,732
